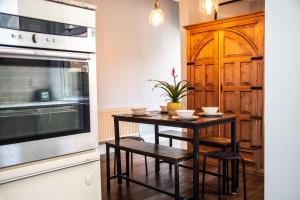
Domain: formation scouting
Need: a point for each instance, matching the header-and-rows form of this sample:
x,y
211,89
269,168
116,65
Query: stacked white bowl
x,y
210,110
185,113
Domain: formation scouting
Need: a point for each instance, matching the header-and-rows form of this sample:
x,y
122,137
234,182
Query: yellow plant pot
x,y
172,107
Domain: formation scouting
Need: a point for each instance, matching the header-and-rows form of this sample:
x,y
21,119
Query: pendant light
x,y
156,16
208,6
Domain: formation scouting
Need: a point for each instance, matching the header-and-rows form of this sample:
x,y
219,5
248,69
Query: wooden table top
x,y
164,119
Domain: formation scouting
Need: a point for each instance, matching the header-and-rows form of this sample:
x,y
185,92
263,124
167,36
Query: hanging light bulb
x,y
156,16
208,6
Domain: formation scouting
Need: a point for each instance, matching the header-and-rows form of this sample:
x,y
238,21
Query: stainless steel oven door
x,y
53,128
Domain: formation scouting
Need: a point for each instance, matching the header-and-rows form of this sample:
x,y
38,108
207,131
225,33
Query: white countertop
x,y
76,3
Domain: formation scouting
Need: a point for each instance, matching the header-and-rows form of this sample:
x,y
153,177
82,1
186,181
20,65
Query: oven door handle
x,y
21,52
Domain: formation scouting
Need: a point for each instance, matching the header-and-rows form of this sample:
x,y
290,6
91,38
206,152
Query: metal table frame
x,y
195,126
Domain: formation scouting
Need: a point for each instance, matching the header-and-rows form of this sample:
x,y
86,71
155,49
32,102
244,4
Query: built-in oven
x,y
48,96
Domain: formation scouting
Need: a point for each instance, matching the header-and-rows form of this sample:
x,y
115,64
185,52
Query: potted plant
x,y
174,92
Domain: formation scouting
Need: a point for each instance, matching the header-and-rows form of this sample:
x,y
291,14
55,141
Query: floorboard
x,y
165,180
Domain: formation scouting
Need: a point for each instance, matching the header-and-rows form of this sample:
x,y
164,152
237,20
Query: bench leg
x,y
119,173
219,180
170,144
237,167
224,177
157,164
127,167
227,177
107,169
203,176
244,178
237,174
131,160
177,196
115,163
146,165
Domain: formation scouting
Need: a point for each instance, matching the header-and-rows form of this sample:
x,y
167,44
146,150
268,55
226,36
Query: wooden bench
x,y
167,154
203,140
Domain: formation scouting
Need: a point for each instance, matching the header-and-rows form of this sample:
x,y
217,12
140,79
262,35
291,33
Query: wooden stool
x,y
222,143
223,158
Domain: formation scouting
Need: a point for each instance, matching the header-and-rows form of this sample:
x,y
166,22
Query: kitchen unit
x,y
68,177
48,100
226,69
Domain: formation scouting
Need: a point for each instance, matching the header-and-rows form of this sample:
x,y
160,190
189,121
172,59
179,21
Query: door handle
x,y
257,58
256,88
191,88
190,63
221,88
256,117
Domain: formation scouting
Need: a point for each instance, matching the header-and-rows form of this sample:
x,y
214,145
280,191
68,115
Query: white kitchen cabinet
x,y
79,182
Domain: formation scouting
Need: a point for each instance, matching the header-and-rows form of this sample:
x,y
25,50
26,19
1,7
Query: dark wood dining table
x,y
157,119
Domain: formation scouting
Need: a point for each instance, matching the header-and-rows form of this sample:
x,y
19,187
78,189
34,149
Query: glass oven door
x,y
43,95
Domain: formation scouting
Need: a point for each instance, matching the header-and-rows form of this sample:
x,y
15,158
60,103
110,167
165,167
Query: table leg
x,y
107,169
196,163
157,167
127,166
118,153
233,162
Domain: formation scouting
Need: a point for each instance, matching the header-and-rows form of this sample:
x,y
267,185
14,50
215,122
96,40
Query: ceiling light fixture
x,y
208,6
156,16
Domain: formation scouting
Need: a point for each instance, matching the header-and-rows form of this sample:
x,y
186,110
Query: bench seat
x,y
203,140
169,154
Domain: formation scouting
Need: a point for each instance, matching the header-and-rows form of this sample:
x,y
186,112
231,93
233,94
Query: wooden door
x,y
226,69
239,81
203,73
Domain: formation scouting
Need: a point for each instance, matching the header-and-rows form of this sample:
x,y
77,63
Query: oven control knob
x,y
47,39
54,40
13,35
21,37
34,39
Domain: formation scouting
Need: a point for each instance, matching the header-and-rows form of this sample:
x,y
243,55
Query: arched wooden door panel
x,y
203,74
239,80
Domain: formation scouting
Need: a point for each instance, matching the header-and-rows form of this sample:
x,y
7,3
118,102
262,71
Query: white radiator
x,y
106,124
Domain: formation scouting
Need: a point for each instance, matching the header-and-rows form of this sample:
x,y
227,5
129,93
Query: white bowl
x,y
139,110
210,109
185,113
163,108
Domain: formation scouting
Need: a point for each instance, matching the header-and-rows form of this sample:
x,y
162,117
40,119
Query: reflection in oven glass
x,y
42,99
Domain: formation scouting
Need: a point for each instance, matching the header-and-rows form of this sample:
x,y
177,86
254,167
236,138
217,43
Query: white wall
x,y
282,133
129,51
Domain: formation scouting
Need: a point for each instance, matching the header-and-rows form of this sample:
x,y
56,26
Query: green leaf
x,y
173,92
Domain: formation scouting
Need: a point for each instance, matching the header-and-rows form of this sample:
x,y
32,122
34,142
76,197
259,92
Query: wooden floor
x,y
165,180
